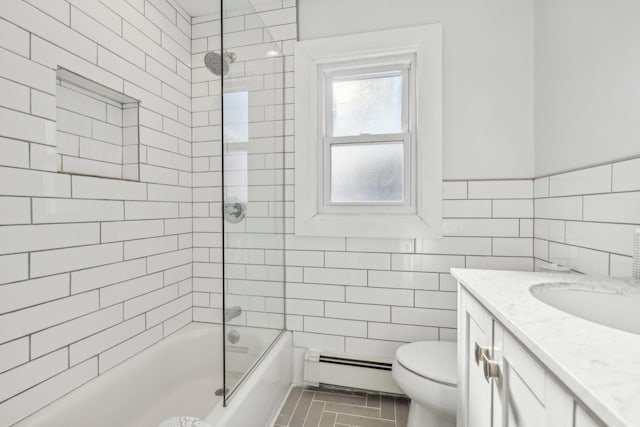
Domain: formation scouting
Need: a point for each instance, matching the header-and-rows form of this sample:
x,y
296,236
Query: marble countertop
x,y
599,364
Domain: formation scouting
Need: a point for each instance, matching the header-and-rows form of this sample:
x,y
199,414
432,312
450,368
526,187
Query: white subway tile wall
x,y
370,296
585,219
87,132
92,270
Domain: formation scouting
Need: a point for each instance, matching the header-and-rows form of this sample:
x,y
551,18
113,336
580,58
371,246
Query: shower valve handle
x,y
234,211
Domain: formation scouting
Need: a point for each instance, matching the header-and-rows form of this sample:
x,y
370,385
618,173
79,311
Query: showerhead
x,y
219,64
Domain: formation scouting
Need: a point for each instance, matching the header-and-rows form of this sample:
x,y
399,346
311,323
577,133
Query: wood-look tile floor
x,y
329,407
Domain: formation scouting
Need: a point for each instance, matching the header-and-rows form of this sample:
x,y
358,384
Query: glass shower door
x,y
251,65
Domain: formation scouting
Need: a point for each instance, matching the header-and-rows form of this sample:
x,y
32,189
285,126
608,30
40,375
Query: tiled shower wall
x,y
91,270
254,262
95,134
586,219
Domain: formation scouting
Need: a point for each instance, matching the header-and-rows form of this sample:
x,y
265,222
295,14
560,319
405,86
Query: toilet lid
x,y
434,360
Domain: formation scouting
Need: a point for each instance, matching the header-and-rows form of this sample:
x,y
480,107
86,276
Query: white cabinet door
x,y
498,384
523,394
583,419
528,395
558,404
523,381
474,392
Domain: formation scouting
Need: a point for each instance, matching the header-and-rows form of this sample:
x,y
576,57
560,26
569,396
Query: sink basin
x,y
601,306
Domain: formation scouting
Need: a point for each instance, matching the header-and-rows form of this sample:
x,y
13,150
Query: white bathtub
x,y
257,401
177,376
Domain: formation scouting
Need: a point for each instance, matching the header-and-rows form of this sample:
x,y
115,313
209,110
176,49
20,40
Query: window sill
x,y
368,225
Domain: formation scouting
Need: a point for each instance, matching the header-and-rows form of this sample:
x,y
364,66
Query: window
x,y
368,134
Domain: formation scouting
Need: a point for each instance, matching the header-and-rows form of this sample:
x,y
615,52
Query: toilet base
x,y
419,416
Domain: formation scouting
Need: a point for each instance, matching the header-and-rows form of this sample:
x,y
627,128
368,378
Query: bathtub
x,y
178,376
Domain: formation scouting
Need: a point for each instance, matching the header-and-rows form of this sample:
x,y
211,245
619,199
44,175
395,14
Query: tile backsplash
x,y
586,219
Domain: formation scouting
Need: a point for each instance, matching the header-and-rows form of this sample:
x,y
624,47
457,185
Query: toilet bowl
x,y
426,372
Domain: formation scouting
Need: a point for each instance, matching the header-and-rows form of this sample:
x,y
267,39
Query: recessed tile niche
x,y
97,129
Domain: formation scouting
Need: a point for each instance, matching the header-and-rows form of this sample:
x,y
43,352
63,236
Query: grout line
x,y
611,180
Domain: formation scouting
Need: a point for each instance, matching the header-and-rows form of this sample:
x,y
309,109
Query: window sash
x,y
368,73
326,205
394,65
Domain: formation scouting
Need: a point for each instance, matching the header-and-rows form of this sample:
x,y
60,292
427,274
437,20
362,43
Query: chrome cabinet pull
x,y
480,352
491,368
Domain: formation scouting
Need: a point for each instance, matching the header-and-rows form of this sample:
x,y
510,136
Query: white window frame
x,y
419,51
402,65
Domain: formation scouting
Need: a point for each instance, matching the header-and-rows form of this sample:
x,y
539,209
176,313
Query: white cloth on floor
x,y
184,421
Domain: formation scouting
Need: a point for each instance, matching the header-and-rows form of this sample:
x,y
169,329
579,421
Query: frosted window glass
x,y
372,105
236,116
367,172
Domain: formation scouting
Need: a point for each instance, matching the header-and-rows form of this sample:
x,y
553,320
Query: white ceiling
x,y
208,7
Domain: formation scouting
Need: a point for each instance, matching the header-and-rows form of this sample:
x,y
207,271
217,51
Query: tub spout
x,y
231,313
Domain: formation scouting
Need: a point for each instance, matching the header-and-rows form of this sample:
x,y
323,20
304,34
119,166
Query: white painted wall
x,y
587,97
488,68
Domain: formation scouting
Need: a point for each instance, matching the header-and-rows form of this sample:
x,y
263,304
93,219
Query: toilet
x,y
426,372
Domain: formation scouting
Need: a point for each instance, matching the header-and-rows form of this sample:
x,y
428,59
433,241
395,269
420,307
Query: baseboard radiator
x,y
348,370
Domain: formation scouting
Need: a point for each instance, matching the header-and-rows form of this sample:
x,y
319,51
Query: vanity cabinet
x,y
500,384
